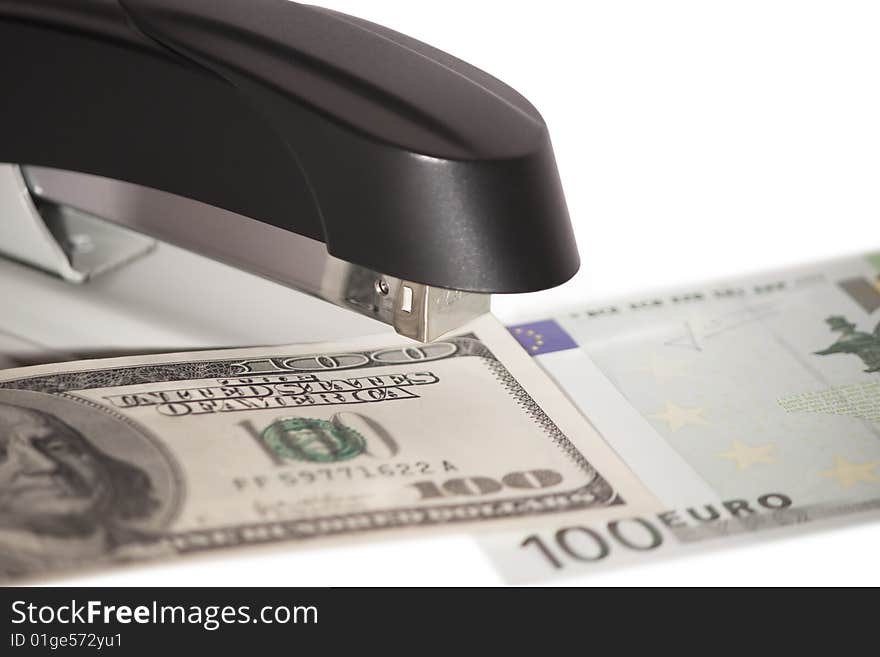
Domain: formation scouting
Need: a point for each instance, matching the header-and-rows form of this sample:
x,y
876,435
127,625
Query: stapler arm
x,y
317,149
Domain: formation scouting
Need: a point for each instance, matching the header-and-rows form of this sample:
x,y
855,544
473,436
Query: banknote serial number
x,y
290,478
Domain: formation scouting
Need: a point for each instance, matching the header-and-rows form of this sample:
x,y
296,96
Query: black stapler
x,y
313,148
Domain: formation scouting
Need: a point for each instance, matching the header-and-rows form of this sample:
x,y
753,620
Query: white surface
x,y
695,140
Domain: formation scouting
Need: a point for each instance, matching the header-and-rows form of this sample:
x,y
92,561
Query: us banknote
x,y
748,407
131,459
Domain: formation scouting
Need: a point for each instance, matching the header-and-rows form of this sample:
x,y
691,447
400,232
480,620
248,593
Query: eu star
x,y
745,455
678,417
849,474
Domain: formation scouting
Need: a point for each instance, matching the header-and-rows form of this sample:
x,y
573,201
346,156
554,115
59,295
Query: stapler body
x,y
297,144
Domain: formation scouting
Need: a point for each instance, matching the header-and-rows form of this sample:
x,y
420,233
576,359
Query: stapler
x,y
311,148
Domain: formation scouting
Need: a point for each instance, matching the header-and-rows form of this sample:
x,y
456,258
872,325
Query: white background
x,y
694,140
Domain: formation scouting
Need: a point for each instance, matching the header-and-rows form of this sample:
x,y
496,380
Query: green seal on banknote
x,y
316,441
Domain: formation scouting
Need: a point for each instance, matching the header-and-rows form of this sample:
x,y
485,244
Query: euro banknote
x,y
749,407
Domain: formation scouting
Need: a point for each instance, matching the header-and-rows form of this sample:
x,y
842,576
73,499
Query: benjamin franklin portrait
x,y
65,501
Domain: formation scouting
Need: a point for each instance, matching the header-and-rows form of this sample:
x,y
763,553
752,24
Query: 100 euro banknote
x,y
744,406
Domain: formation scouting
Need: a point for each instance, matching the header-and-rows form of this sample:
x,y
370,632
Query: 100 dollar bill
x,y
139,458
745,406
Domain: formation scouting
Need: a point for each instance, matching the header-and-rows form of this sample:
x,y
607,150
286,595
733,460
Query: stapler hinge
x,y
59,239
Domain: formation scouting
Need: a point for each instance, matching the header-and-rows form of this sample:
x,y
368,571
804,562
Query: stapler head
x,y
319,150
